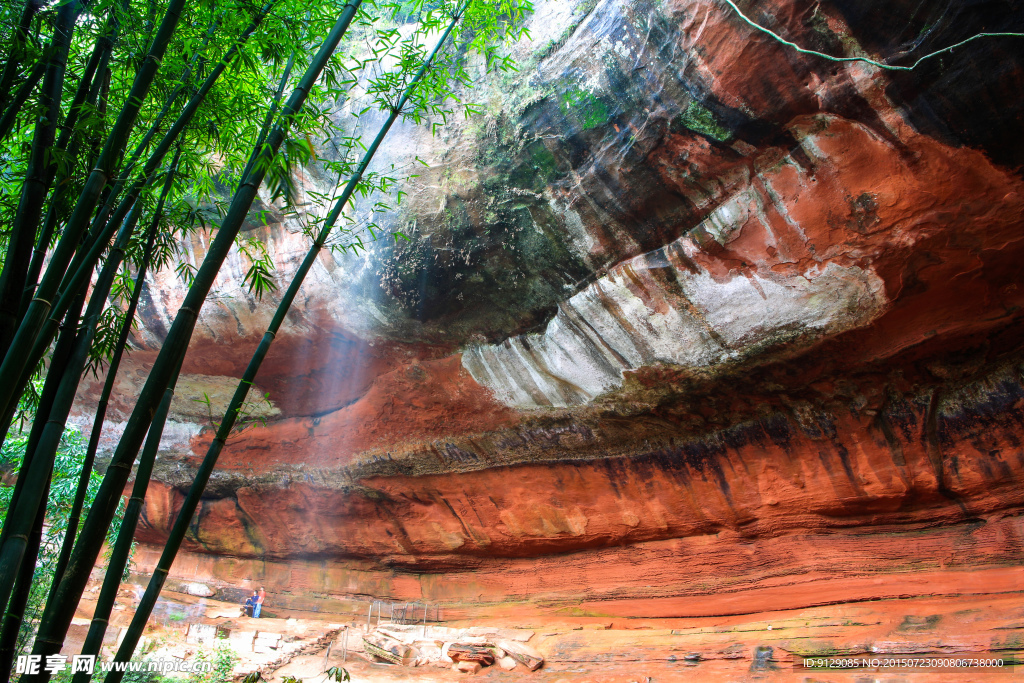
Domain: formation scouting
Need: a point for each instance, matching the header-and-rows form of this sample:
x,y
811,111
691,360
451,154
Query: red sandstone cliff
x,y
698,316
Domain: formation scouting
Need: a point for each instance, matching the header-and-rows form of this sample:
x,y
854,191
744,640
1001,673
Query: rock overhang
x,y
752,302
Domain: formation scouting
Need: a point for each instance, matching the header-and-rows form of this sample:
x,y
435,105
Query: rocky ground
x,y
581,647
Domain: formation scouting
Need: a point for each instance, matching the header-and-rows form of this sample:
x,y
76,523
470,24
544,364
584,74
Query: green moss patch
x,y
587,109
700,119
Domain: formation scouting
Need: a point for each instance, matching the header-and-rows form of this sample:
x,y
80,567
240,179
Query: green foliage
x,y
337,673
223,659
369,71
217,148
260,276
145,676
29,402
66,470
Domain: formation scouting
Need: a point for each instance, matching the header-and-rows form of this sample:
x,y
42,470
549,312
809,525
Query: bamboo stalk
x,y
81,266
70,376
56,622
125,535
22,589
99,88
83,480
20,97
102,217
99,237
202,476
87,92
34,476
61,351
38,310
42,455
38,177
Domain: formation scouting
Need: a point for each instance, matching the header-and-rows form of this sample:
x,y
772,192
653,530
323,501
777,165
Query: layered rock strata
x,y
688,314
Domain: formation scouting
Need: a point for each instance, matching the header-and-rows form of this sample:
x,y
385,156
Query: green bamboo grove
x,y
123,113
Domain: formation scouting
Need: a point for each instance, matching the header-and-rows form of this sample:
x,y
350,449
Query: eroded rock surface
x,y
687,312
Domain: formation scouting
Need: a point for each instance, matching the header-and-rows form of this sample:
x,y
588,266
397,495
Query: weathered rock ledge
x,y
689,314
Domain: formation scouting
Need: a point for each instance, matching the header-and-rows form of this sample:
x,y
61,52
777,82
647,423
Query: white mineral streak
x,y
659,308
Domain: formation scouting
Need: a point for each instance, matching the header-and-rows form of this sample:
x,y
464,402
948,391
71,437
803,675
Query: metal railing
x,y
403,613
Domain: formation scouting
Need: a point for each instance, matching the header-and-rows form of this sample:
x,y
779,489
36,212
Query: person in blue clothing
x,y
260,597
251,602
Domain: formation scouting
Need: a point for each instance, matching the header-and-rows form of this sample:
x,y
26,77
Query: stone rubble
x,y
466,650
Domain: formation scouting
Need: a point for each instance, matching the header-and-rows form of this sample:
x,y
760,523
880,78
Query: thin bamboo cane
x,y
7,417
38,310
98,89
49,441
83,480
102,217
61,351
54,625
202,476
22,589
70,375
56,369
33,478
81,267
125,535
88,90
10,115
34,189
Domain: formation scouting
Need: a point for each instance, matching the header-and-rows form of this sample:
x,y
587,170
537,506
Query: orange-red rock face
x,y
912,465
783,363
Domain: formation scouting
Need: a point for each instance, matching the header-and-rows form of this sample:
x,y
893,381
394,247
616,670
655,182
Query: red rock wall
x,y
915,464
846,455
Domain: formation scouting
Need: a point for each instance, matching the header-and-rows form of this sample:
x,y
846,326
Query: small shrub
x,y
223,659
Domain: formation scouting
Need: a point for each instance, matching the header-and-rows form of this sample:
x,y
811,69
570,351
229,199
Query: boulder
x,y
522,653
460,652
467,667
200,590
387,648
